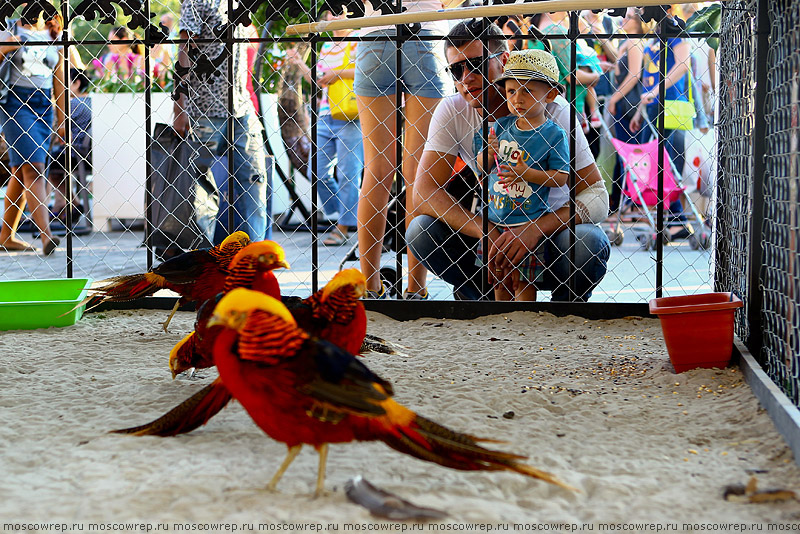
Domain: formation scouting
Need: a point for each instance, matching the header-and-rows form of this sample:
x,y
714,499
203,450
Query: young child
x,y
528,154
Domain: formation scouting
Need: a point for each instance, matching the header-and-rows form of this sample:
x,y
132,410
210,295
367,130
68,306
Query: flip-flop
x,y
51,245
21,247
335,238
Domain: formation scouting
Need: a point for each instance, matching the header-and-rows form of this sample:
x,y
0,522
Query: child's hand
x,y
512,174
493,145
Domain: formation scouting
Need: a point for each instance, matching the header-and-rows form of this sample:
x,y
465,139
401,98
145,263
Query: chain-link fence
x,y
758,194
335,191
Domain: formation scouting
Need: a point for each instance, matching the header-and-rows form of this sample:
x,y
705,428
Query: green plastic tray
x,y
29,304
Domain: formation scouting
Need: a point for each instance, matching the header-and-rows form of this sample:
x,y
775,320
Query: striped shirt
x,y
332,57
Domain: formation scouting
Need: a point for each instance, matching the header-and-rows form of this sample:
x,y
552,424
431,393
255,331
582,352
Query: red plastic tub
x,y
698,329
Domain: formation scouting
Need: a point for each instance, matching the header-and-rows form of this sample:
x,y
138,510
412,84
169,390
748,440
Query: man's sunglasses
x,y
471,64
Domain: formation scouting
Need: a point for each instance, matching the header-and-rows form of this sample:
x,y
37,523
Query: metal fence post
x,y
758,139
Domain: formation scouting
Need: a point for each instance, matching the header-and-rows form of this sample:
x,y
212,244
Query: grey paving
x,y
630,278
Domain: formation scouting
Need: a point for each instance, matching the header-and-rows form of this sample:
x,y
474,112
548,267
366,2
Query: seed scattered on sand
x,y
680,404
723,453
684,412
685,459
692,451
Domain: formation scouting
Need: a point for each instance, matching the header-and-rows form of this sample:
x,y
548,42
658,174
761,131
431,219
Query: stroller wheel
x,y
649,242
617,237
391,281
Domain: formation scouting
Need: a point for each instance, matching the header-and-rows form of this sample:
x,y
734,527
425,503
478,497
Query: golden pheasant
x,y
251,268
196,276
303,391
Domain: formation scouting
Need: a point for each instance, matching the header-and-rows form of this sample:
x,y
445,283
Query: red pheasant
x,y
196,276
303,391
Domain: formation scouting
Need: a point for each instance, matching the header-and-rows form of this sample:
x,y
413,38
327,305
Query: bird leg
x,y
323,460
165,324
290,456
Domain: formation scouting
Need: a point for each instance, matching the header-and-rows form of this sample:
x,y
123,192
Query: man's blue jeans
x,y
451,256
250,188
339,146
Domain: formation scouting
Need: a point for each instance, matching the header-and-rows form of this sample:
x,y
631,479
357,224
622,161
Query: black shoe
x,y
683,233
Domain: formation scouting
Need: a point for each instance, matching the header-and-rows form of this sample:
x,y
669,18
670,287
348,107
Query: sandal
x,y
335,238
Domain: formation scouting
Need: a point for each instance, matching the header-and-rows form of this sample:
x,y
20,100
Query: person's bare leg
x,y
378,129
36,192
418,117
14,204
58,183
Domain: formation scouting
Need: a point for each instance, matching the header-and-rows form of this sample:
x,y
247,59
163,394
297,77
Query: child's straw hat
x,y
526,65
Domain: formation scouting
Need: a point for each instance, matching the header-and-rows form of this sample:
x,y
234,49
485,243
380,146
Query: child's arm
x,y
522,173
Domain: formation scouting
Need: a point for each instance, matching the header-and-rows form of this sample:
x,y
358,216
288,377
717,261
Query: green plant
x,y
275,51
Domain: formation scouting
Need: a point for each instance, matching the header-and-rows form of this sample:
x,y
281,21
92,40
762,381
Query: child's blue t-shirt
x,y
544,148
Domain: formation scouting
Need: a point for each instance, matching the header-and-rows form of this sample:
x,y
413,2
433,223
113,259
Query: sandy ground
x,y
595,402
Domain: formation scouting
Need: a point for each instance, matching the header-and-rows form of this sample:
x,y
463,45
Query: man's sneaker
x,y
423,295
377,295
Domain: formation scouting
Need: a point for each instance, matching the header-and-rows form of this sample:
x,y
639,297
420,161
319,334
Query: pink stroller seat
x,y
641,161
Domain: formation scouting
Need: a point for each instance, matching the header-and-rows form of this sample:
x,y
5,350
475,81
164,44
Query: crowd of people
x,y
524,157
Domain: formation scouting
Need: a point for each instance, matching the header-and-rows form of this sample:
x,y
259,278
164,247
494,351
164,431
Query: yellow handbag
x,y
341,97
679,114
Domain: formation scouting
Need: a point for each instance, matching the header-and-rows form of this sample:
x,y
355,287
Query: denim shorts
x,y
422,65
26,120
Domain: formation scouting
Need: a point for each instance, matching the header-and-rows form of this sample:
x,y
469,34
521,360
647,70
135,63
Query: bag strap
x,y
690,81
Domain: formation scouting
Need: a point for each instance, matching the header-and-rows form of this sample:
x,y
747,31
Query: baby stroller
x,y
640,168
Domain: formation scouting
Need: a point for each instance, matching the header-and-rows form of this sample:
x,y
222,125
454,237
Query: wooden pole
x,y
526,8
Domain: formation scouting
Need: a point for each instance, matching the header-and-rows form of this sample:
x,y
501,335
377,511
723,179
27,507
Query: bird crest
x,y
236,237
268,253
234,308
347,277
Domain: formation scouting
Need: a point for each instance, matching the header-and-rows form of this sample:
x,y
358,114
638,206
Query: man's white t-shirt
x,y
454,124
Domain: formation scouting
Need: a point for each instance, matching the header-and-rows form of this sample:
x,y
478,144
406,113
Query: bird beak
x,y
215,321
275,263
